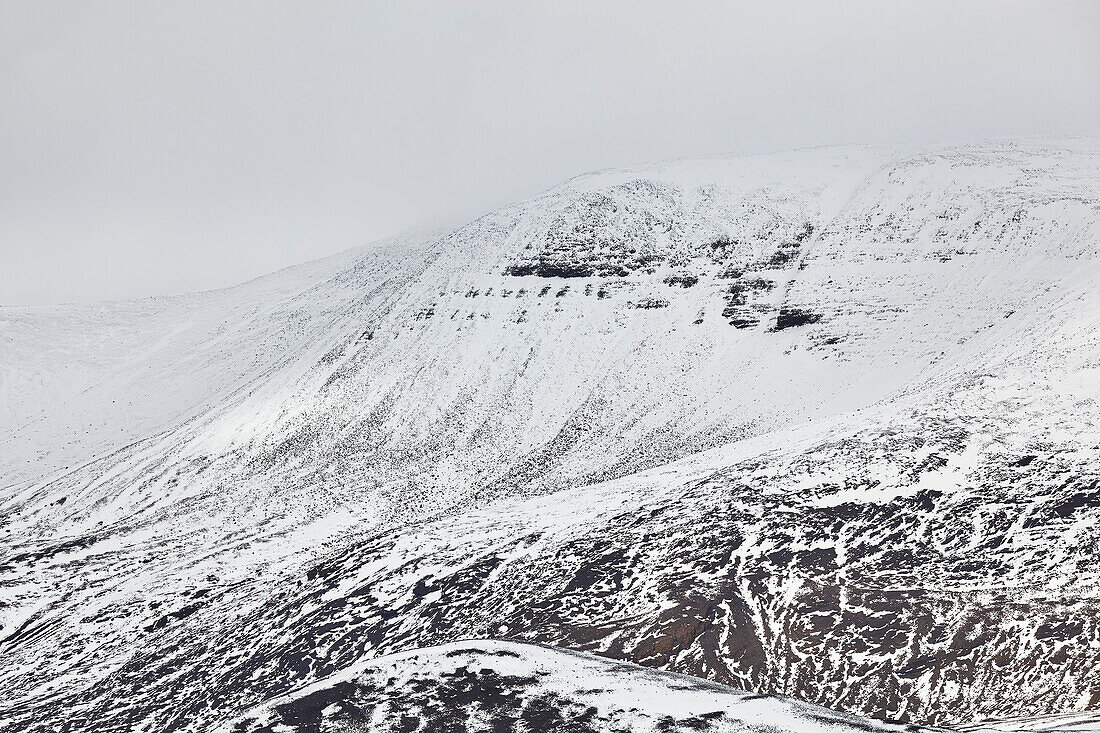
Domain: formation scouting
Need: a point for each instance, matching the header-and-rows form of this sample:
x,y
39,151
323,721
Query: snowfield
x,y
822,425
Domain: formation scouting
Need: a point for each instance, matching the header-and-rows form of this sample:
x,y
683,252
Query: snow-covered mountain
x,y
822,424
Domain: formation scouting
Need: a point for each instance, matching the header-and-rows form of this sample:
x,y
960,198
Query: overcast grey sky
x,y
159,147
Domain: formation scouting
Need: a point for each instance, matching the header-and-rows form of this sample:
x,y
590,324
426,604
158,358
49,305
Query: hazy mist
x,y
150,148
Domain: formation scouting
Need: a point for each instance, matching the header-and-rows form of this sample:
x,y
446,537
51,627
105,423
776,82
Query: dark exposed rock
x,y
791,317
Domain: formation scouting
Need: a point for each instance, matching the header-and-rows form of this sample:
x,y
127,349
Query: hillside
x,y
822,424
493,685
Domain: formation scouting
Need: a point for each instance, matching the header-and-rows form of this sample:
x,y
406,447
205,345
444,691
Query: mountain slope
x,y
821,424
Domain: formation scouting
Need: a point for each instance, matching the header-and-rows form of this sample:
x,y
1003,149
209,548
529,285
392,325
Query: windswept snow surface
x,y
1071,723
823,424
